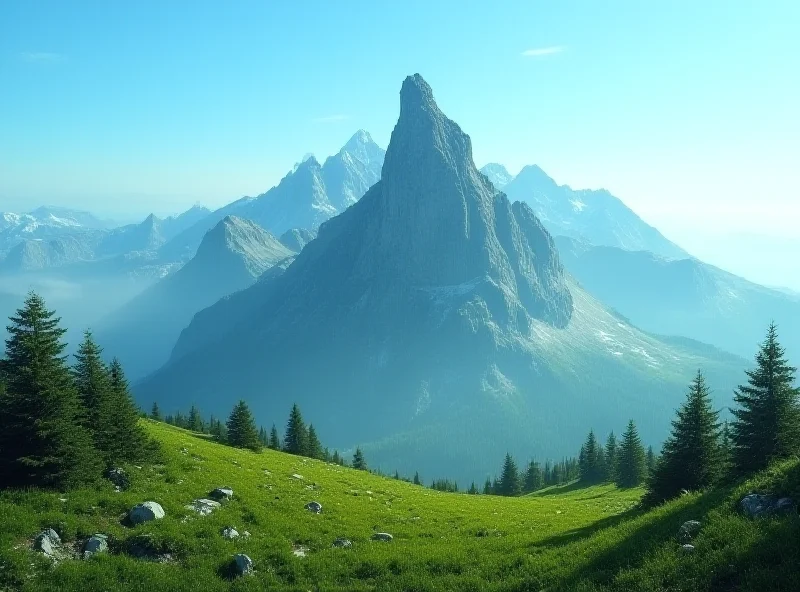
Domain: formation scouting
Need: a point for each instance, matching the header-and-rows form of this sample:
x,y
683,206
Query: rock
x,y
98,543
242,564
756,505
688,530
245,534
684,492
222,493
299,550
230,533
119,478
687,548
48,542
315,507
203,506
145,512
298,477
342,543
382,536
785,505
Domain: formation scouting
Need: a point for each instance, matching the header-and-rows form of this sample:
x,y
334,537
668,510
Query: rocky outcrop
x,y
145,512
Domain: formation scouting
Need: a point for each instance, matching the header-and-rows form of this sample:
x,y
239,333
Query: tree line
x,y
62,424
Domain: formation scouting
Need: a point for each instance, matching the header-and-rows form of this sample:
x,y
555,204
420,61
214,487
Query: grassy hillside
x,y
559,539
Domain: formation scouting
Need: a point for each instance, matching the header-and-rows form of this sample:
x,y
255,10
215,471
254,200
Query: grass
x,y
563,539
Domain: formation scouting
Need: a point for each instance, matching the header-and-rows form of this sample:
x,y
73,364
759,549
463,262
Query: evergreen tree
x,y
180,420
195,422
509,480
242,431
533,477
296,439
690,457
337,459
725,449
313,446
650,461
155,412
43,441
262,437
610,458
358,460
767,424
591,460
92,382
487,487
631,467
274,439
417,480
125,439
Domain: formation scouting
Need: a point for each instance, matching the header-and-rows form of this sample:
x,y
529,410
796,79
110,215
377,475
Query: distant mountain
x,y
595,216
174,225
145,236
231,257
39,254
684,297
432,322
297,238
306,197
497,174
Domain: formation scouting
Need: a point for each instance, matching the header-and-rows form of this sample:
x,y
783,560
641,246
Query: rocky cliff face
x,y
432,317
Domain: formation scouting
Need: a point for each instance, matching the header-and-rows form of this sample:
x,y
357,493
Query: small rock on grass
x,y
222,493
243,565
382,536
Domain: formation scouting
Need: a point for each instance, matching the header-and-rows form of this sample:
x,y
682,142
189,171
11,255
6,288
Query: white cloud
x,y
542,51
42,57
331,118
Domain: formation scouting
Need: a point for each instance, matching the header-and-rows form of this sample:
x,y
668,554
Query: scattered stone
x,y
245,534
299,550
688,530
96,544
222,493
63,500
315,507
145,513
687,548
243,565
119,478
203,506
382,536
342,543
684,492
48,542
756,505
298,477
230,533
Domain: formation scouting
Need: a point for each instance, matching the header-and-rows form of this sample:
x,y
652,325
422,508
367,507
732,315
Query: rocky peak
x,y
497,174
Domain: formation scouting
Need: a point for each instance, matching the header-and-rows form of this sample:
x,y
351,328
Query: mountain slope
x,y
595,216
685,297
497,174
231,257
307,196
39,254
433,320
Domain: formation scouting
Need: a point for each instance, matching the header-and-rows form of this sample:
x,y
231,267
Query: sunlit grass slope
x,y
561,539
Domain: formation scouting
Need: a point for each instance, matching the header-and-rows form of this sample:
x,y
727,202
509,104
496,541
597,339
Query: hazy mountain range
x,y
433,322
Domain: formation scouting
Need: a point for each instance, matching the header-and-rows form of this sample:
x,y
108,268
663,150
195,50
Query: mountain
x,y
297,238
174,225
595,216
684,297
432,322
145,236
307,196
497,174
231,257
39,254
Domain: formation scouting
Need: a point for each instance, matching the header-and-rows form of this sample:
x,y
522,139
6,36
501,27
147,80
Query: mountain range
x,y
231,257
432,322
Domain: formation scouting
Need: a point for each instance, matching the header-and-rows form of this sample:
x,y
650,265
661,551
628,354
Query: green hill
x,y
558,539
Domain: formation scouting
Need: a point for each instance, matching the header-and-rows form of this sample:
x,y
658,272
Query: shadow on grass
x,y
561,489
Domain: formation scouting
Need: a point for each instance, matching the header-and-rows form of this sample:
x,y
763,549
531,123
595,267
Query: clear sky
x,y
687,110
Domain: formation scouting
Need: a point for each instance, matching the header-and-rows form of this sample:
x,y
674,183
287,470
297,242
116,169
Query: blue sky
x,y
687,110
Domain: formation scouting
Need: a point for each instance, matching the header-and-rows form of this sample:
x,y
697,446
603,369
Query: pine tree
x,y
126,440
417,480
487,487
274,439
358,460
337,459
314,447
533,477
242,431
262,437
650,460
92,382
296,439
509,479
690,457
767,423
610,458
195,422
591,460
43,441
155,412
631,468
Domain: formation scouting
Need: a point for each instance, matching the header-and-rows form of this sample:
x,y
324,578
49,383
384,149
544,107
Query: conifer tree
x,y
43,441
91,379
274,439
591,460
242,431
509,479
313,446
690,457
337,459
610,454
650,460
125,439
417,479
358,460
725,449
473,490
631,467
262,437
767,422
296,439
155,412
533,477
195,422
487,487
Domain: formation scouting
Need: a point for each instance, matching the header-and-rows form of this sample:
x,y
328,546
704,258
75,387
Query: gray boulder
x,y
687,548
222,493
342,543
230,533
756,505
145,512
315,507
48,542
688,530
785,505
119,478
203,506
97,543
382,536
242,564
